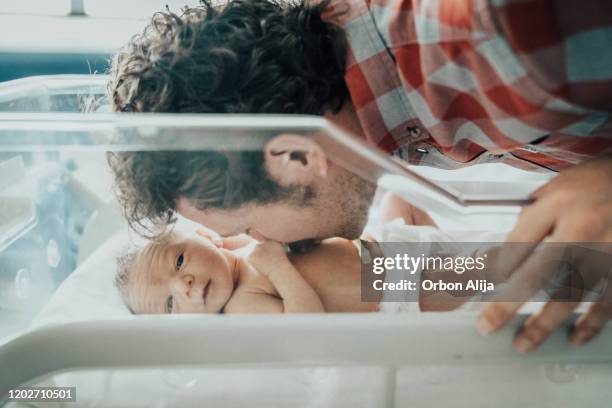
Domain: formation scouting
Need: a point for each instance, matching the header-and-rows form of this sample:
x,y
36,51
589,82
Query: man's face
x,y
278,222
339,208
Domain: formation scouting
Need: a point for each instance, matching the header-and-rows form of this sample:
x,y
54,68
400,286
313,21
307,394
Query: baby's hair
x,y
125,264
126,261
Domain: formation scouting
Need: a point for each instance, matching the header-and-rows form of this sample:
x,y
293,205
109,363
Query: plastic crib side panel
x,y
374,340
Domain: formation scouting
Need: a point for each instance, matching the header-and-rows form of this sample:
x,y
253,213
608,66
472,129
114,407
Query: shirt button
x,y
414,131
530,149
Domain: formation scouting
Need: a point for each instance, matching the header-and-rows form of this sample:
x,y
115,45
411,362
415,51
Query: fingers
x,y
532,275
495,316
203,233
534,224
567,209
541,325
590,324
535,273
236,241
256,235
218,241
593,321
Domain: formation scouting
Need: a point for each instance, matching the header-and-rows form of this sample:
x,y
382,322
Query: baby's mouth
x,y
205,291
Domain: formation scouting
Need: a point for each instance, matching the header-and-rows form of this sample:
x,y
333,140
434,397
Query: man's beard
x,y
353,209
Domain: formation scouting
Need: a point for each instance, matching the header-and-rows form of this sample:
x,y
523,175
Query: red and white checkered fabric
x,y
449,83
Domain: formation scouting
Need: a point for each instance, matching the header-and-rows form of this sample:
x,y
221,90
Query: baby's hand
x,y
268,256
230,243
215,239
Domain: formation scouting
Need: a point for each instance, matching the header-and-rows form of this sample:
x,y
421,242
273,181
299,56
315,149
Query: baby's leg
x,y
393,207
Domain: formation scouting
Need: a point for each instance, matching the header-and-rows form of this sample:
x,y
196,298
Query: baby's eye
x,y
169,304
179,261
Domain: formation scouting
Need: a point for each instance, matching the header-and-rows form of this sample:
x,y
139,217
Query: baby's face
x,y
182,275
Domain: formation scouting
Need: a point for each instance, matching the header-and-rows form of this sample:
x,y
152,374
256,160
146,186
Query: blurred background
x,y
40,37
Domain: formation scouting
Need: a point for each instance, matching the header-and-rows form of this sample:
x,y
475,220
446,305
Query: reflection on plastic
x,y
179,379
561,373
22,284
53,254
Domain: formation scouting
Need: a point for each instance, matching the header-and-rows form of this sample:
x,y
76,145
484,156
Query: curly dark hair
x,y
246,56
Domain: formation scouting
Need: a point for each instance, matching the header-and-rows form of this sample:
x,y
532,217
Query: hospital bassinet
x,y
61,323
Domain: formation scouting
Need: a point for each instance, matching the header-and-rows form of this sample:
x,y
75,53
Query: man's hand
x,y
576,206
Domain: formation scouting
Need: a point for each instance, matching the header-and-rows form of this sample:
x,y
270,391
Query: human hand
x,y
576,206
230,243
215,239
267,256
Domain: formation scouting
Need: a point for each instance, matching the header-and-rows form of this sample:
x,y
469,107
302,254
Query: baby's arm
x,y
297,296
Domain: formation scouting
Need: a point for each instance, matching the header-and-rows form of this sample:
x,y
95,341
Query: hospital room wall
x,y
20,65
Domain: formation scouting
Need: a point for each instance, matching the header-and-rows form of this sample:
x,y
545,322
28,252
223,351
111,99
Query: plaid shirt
x,y
449,83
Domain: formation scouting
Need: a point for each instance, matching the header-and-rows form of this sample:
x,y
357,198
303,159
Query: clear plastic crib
x,y
59,222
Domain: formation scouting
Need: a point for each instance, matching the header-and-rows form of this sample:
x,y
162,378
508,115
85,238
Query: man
x,y
445,84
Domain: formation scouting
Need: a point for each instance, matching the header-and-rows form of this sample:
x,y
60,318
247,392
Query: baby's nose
x,y
187,282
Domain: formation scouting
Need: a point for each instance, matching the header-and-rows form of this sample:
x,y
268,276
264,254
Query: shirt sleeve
x,y
564,46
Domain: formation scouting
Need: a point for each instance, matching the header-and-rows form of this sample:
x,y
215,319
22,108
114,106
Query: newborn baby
x,y
189,273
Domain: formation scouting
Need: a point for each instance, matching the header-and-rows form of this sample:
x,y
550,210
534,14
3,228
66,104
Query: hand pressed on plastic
x,y
575,207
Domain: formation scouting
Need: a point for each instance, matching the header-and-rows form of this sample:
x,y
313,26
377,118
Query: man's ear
x,y
292,159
